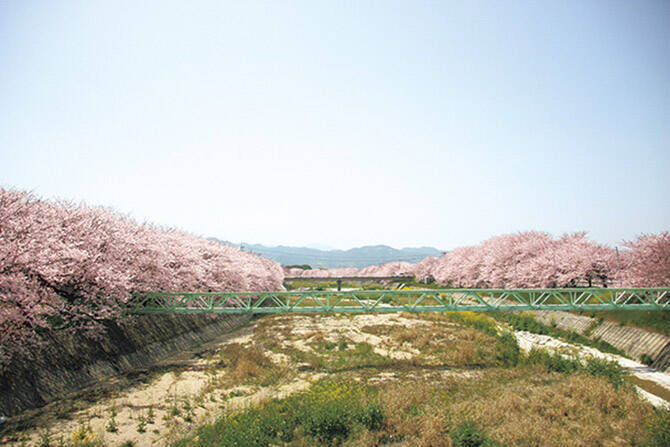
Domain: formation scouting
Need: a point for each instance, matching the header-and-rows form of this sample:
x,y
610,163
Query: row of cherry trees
x,y
73,267
530,259
533,259
388,269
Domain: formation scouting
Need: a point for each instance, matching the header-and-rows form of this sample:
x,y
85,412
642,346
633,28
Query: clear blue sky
x,y
344,123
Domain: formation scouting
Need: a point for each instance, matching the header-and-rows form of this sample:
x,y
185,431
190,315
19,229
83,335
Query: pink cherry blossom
x,y
73,267
647,262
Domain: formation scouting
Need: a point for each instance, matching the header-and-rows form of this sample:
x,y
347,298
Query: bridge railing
x,y
401,301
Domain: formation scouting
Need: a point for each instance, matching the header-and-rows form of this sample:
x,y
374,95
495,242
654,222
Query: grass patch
x,y
328,413
504,351
526,322
333,356
597,367
611,371
246,364
652,320
553,361
468,434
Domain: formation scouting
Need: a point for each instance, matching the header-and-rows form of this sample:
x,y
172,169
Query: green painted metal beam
x,y
384,301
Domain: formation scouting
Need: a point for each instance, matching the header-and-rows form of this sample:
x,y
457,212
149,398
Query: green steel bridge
x,y
383,301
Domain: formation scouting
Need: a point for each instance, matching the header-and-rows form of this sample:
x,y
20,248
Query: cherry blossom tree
x,y
423,270
526,260
72,267
647,263
396,268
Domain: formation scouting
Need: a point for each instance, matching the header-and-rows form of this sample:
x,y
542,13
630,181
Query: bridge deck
x,y
401,301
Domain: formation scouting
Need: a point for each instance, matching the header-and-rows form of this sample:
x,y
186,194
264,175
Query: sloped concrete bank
x,y
633,341
70,363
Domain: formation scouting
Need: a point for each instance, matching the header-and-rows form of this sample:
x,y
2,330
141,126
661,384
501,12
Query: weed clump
x,y
507,352
141,423
324,415
245,361
553,361
468,434
647,359
597,367
335,409
111,425
612,371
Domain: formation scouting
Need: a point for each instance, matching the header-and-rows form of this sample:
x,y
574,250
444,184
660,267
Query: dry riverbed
x,y
455,368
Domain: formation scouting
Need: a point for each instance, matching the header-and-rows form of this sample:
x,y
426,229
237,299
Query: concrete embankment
x,y
72,362
633,341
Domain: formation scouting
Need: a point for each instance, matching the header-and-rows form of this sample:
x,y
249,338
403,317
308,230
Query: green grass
x,y
468,434
654,320
328,413
330,356
525,322
343,411
596,367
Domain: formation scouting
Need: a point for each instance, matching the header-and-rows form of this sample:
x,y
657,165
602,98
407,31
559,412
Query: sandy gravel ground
x,y
194,388
145,413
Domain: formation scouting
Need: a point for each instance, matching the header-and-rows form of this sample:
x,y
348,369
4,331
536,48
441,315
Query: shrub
x,y
468,434
646,359
553,361
608,369
342,344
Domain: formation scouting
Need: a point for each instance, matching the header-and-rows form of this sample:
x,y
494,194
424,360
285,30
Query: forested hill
x,y
355,257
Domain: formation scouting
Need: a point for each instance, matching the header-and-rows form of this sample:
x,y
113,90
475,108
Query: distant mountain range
x,y
354,257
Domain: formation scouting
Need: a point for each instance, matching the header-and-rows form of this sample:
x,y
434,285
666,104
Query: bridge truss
x,y
383,301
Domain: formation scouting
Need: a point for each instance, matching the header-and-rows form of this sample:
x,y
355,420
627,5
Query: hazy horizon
x,y
302,123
